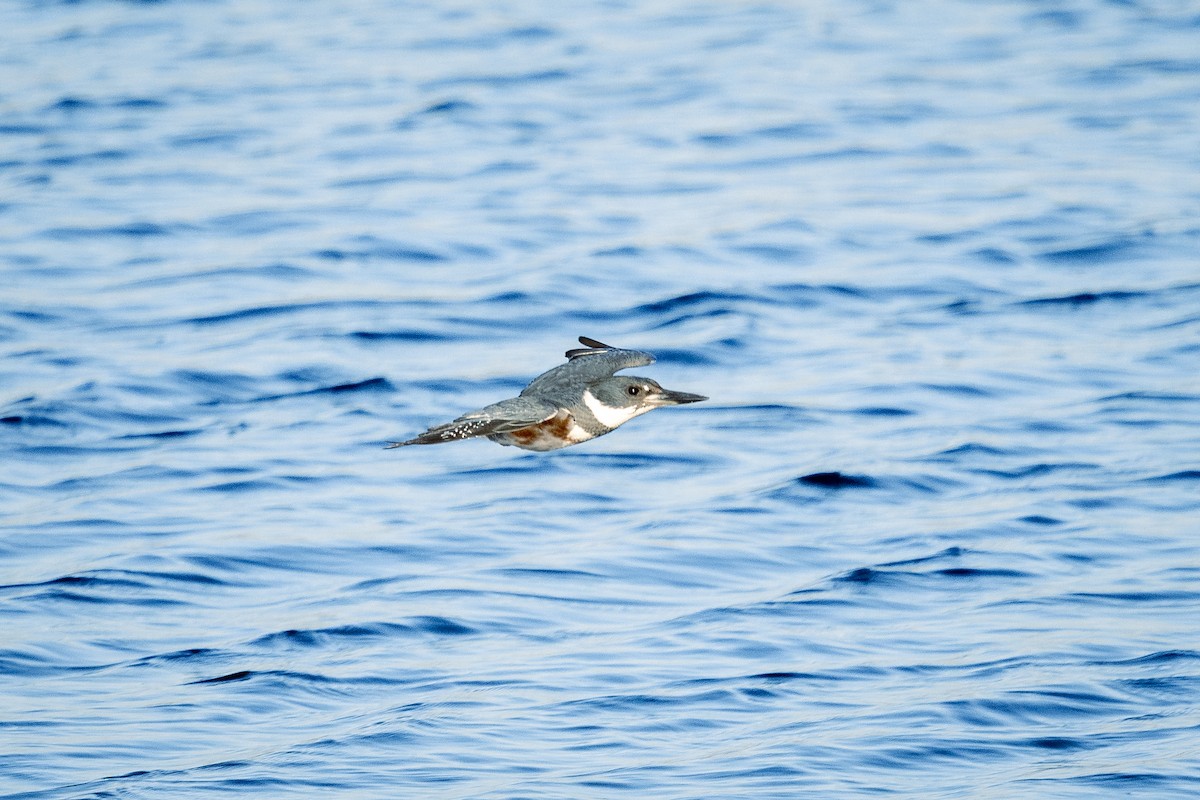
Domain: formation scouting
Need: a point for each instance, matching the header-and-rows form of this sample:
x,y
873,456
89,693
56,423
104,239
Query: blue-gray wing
x,y
503,417
593,362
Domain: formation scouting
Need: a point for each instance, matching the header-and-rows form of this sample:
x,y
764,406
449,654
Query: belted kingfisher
x,y
569,404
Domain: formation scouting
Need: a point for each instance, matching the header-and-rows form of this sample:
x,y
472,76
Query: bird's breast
x,y
559,431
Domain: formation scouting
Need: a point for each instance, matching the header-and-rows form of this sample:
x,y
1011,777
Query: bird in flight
x,y
572,403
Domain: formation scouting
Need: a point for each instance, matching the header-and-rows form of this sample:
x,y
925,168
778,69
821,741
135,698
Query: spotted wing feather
x,y
503,417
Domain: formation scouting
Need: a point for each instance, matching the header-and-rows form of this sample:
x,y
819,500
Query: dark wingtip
x,y
393,445
592,346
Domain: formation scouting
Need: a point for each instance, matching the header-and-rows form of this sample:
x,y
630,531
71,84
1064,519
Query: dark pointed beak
x,y
670,398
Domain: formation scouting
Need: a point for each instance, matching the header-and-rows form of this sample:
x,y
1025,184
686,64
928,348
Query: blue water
x,y
936,534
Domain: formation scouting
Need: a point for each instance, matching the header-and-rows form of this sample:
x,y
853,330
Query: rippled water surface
x,y
935,534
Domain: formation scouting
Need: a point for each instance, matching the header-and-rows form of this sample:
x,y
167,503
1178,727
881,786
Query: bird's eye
x,y
634,391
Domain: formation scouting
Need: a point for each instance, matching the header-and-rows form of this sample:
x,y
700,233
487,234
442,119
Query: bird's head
x,y
616,400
